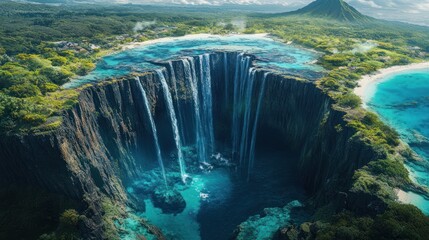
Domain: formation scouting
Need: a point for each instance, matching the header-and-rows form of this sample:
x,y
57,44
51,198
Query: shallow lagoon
x,y
217,200
402,100
272,54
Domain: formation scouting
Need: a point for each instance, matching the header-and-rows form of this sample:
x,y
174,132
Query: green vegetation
x,y
27,213
68,228
111,212
333,9
400,221
351,50
43,47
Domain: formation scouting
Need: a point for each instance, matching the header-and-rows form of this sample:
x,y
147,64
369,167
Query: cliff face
x,y
303,116
98,147
105,140
328,151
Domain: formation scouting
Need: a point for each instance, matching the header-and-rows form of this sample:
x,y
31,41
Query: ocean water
x,y
402,100
272,55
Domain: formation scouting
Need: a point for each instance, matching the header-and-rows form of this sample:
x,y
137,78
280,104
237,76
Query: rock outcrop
x,y
104,141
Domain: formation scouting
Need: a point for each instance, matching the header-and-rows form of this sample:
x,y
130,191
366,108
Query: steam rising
x,y
143,25
239,23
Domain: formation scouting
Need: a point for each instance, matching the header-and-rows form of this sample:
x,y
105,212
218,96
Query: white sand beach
x,y
186,37
369,80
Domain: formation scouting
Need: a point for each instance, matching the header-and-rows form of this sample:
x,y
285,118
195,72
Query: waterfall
x,y
240,79
244,115
176,98
225,68
245,108
206,92
247,101
191,76
235,104
255,126
154,132
169,103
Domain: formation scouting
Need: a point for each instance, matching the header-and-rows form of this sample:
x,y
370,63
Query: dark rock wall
x,y
328,152
99,147
105,140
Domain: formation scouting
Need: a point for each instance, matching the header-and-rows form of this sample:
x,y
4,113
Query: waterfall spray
x,y
240,82
190,75
154,132
225,68
247,101
169,103
244,115
237,75
176,98
206,89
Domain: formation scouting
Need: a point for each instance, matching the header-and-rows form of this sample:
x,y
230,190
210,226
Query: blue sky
x,y
415,11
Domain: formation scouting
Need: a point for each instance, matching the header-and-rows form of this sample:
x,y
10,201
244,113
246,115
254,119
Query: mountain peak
x,y
332,9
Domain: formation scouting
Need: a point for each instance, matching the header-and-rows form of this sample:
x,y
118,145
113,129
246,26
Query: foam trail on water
x,y
255,126
154,132
169,103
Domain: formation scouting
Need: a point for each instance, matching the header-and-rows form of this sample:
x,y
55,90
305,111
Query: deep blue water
x,y
272,54
217,201
402,100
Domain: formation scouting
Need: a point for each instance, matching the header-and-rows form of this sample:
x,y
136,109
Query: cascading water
x,y
169,103
176,97
255,126
240,79
190,75
209,95
235,124
244,113
154,132
207,116
247,100
225,66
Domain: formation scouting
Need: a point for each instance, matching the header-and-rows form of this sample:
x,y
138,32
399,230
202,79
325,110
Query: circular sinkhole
x,y
214,164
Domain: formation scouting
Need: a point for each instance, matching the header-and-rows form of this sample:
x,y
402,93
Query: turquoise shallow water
x,y
217,200
402,100
272,54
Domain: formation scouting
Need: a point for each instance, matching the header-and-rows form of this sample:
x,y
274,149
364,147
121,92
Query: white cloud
x,y
401,10
422,6
369,3
416,11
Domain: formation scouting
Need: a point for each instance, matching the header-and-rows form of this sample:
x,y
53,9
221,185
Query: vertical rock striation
x,y
105,141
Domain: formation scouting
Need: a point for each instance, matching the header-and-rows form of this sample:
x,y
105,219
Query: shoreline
x,y
131,45
365,90
368,81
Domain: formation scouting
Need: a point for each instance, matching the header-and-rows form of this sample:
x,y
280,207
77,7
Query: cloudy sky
x,y
415,11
